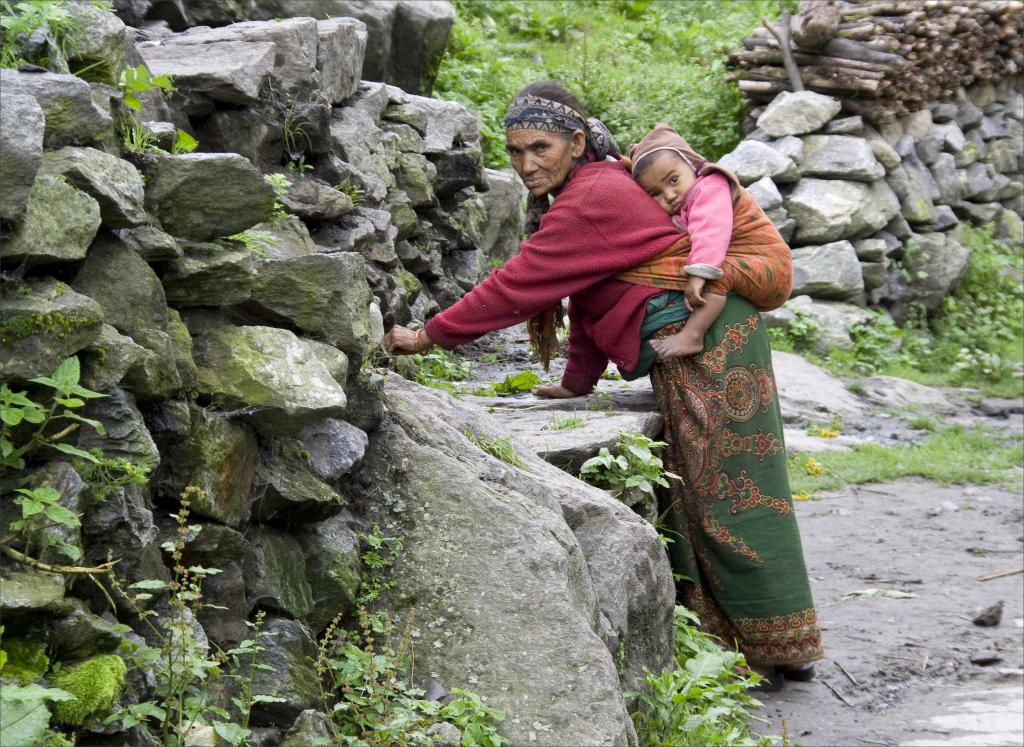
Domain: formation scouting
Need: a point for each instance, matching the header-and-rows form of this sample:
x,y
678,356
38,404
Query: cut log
x,y
815,27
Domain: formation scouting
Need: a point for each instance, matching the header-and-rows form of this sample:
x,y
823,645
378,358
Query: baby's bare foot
x,y
679,344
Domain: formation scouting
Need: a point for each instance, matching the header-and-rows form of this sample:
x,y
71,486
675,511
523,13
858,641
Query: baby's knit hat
x,y
663,137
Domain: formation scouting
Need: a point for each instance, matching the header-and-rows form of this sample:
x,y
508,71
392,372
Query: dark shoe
x,y
772,681
798,672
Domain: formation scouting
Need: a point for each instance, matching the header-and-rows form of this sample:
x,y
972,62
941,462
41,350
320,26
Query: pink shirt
x,y
706,214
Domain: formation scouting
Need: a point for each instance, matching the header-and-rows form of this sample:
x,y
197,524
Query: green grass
x,y
632,63
568,423
975,339
499,448
953,456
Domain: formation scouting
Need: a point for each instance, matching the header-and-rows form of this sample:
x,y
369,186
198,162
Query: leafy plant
x,y
354,192
183,143
24,714
280,184
294,134
635,466
380,554
438,368
181,664
704,700
16,408
138,80
20,19
41,509
800,334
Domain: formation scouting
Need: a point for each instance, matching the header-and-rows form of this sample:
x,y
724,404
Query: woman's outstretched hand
x,y
402,341
554,391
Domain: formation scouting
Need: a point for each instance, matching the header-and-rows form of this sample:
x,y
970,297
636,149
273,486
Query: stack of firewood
x,y
885,58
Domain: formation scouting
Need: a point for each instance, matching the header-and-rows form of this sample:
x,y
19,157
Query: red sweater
x,y
601,223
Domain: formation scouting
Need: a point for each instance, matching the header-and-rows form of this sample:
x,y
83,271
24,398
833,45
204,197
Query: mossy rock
x,y
96,684
59,224
26,659
42,322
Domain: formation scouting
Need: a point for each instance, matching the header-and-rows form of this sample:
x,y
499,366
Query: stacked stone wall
x,y
875,216
227,303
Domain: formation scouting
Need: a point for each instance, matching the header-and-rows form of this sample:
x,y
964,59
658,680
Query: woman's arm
x,y
601,224
586,361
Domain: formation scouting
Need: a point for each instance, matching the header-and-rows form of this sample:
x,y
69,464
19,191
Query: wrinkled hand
x,y
402,341
554,391
694,286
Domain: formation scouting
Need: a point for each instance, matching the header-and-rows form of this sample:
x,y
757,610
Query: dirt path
x,y
898,671
917,670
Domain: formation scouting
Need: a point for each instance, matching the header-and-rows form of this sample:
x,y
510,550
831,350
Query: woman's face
x,y
543,159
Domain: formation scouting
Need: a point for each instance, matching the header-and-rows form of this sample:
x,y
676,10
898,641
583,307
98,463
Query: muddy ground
x,y
913,670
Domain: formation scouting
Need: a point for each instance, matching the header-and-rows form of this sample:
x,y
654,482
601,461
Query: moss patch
x,y
26,660
53,324
96,684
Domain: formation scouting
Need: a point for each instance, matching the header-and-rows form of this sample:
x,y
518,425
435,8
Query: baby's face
x,y
667,179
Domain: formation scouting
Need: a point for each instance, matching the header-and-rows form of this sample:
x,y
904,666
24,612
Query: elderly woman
x,y
736,549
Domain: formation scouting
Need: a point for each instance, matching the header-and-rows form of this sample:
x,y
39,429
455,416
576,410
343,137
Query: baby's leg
x,y
690,340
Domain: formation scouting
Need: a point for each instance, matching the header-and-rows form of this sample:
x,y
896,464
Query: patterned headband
x,y
535,113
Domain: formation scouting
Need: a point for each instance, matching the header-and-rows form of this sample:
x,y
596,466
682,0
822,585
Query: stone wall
x,y
406,37
227,319
875,216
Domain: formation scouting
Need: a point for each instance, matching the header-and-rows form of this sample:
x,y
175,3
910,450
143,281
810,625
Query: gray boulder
x,y
357,141
841,157
415,175
156,374
846,126
871,250
99,42
834,319
914,195
21,152
827,271
203,196
458,169
275,571
124,520
108,358
58,225
753,160
419,38
936,263
443,125
789,146
340,54
945,219
287,492
333,568
883,152
112,182
126,435
366,231
30,594
150,243
918,125
126,288
230,72
282,239
256,133
876,274
603,581
295,41
210,275
78,634
826,209
290,651
268,369
1009,228
975,180
325,295
952,137
72,118
217,455
42,322
313,201
502,201
334,446
765,193
797,113
946,179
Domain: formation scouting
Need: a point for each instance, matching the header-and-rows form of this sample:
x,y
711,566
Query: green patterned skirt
x,y
736,547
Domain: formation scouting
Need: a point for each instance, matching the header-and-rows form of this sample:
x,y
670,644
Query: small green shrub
x,y
635,466
438,368
704,700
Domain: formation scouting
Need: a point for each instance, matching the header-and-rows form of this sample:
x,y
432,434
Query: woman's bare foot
x,y
682,343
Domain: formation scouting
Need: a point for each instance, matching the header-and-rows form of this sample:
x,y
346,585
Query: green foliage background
x,y
632,63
